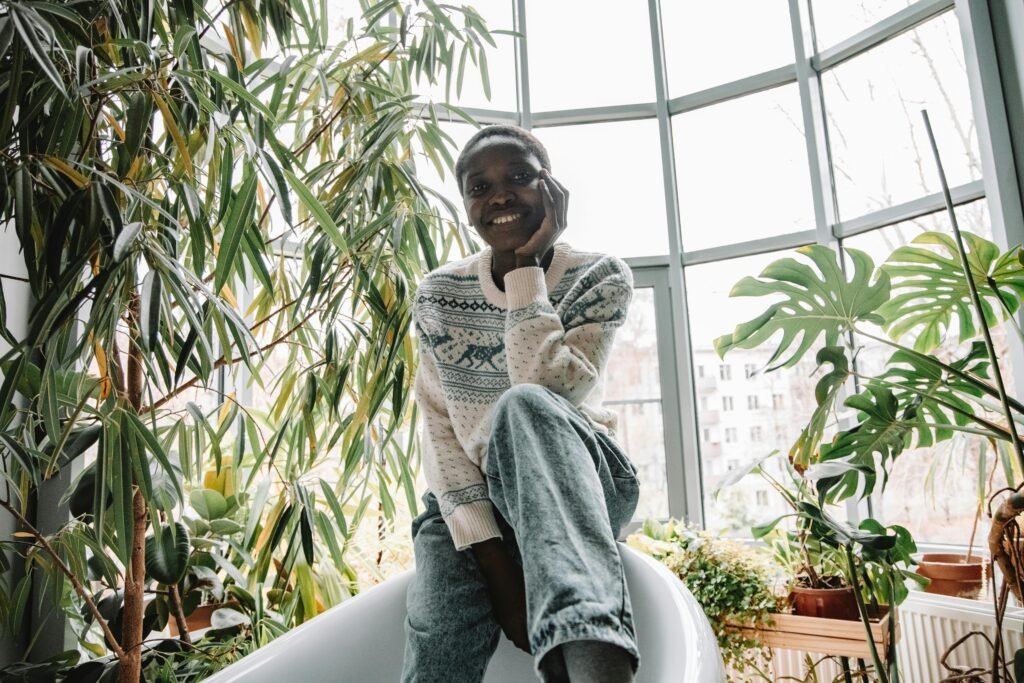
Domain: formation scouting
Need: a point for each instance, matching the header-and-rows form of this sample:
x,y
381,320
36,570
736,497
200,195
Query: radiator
x,y
928,625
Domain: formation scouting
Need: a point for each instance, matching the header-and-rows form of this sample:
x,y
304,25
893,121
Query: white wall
x,y
16,299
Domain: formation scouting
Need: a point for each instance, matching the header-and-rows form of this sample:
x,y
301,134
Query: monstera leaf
x,y
850,458
929,288
931,391
816,301
826,392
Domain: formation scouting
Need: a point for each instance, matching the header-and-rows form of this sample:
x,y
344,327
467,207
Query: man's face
x,y
501,193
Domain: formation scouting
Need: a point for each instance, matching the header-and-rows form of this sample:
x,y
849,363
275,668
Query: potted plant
x,y
735,583
817,586
939,288
959,575
155,163
835,571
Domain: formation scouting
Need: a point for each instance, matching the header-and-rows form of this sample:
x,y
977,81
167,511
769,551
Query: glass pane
x,y
950,472
709,43
616,191
837,21
880,150
742,170
501,62
743,414
633,390
583,55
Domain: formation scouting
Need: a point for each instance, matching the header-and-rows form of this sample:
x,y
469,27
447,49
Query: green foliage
x,y
918,400
733,583
930,288
826,393
193,214
816,301
167,552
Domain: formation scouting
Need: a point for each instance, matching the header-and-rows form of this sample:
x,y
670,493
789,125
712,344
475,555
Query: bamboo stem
x,y
130,666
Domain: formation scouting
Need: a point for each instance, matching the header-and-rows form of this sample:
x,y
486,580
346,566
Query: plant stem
x,y
880,669
973,286
130,666
222,361
66,571
179,613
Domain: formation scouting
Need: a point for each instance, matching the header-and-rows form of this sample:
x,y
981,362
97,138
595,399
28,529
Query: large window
x,y
700,141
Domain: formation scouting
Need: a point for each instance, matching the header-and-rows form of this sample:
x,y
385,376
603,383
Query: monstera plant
x,y
947,290
208,194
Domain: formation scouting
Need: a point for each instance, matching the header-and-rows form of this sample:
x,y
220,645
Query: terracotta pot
x,y
828,603
952,574
199,618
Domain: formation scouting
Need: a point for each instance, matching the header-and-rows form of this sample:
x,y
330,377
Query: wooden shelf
x,y
836,637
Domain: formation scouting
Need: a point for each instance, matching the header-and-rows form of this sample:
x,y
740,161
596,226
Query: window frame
x,y
666,273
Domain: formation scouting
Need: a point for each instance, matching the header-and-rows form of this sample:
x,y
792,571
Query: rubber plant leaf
x,y
931,298
167,552
817,300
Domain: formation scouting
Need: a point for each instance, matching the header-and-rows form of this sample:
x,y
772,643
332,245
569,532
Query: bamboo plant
x,y
213,193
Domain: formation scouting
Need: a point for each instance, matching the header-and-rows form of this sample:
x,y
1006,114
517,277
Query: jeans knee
x,y
520,396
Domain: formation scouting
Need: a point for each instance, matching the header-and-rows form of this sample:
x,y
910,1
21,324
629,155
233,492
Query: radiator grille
x,y
928,625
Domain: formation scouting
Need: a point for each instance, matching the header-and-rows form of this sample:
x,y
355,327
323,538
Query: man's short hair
x,y
528,139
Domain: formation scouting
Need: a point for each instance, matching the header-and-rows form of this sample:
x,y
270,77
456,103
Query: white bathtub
x,y
362,641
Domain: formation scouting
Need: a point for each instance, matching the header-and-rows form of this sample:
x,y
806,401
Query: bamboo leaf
x,y
175,133
140,113
238,220
125,239
26,22
149,324
243,94
318,211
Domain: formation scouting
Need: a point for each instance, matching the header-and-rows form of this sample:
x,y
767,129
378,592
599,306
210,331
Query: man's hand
x,y
507,590
556,203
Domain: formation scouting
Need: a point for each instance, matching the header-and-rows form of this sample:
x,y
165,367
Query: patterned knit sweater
x,y
551,328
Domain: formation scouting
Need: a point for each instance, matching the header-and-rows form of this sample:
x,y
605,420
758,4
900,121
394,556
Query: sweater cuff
x,y
523,286
472,523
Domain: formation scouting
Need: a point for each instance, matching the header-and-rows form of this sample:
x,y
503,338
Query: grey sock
x,y
552,667
593,661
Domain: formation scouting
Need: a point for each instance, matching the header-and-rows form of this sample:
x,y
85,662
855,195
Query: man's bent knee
x,y
519,395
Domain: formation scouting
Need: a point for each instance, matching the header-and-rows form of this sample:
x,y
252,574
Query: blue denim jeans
x,y
562,492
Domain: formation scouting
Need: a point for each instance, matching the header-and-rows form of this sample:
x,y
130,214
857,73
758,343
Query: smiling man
x,y
528,487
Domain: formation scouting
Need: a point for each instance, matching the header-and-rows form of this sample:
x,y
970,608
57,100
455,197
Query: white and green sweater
x,y
551,328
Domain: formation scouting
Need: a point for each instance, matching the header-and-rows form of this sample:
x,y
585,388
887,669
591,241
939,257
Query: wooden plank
x,y
822,636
